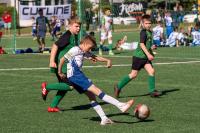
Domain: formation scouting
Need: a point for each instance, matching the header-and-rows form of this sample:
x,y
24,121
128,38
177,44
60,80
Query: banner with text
x,y
129,8
27,12
61,11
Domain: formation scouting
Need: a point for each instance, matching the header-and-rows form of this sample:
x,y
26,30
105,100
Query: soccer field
x,y
177,110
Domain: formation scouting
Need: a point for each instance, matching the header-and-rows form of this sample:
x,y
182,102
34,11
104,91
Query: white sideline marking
x,y
98,66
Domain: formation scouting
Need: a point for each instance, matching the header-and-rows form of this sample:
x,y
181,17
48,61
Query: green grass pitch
x,y
177,74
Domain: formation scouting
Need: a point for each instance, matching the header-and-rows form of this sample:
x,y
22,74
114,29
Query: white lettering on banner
x,y
127,8
61,11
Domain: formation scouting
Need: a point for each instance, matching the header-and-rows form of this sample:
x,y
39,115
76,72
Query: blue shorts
x,y
156,42
169,30
80,82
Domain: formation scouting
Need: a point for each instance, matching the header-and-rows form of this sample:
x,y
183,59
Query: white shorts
x,y
105,36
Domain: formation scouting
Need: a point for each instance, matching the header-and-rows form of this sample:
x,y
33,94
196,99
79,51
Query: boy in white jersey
x,y
195,36
56,28
168,24
34,30
173,40
74,59
106,31
158,34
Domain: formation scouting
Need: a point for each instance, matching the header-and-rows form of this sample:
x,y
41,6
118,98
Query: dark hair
x,y
92,33
146,17
40,10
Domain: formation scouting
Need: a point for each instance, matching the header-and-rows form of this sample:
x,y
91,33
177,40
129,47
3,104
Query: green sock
x,y
151,81
58,86
110,46
123,82
56,100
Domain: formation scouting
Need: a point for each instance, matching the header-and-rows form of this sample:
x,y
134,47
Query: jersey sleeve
x,y
143,36
88,55
72,53
63,41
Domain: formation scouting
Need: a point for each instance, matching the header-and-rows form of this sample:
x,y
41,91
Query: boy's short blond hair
x,y
74,20
89,40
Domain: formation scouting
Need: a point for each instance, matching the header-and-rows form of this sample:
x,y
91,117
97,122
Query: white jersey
x,y
157,32
168,21
34,24
75,57
106,22
171,41
196,37
58,23
129,46
180,36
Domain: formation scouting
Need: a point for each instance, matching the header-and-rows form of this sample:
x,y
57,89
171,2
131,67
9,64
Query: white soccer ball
x,y
142,111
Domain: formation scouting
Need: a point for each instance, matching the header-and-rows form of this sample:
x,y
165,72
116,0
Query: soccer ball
x,y
142,111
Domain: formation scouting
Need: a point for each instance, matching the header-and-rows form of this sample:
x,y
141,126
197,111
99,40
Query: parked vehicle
x,y
124,20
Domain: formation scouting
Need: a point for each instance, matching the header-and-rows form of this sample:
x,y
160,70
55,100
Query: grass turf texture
x,y
23,110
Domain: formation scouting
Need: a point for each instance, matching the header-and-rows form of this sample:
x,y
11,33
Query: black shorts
x,y
138,63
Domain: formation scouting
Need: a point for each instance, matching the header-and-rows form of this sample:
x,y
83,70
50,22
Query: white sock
x,y
112,101
98,109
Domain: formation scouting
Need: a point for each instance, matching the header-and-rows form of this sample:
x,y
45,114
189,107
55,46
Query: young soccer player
x,y
168,24
34,30
74,59
158,34
68,40
142,58
123,45
106,31
172,41
195,36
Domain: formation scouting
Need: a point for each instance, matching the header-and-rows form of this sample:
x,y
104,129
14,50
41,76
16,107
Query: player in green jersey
x,y
142,58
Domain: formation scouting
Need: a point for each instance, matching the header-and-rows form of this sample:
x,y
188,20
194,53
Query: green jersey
x,y
146,38
65,43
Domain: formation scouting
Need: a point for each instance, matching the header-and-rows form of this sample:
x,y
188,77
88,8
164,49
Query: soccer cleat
x,y
106,121
116,91
124,108
44,91
155,94
55,109
111,53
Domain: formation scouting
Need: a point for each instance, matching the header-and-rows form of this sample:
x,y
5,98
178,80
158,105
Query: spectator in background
x,y
41,22
172,41
168,24
196,35
88,18
34,30
158,34
7,18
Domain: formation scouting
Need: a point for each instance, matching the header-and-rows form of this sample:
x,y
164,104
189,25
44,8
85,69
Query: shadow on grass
x,y
119,114
83,107
163,92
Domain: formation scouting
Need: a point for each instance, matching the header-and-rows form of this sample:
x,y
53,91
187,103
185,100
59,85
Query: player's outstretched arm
x,y
102,59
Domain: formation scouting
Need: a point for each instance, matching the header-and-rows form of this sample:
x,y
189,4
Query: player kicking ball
x,y
75,77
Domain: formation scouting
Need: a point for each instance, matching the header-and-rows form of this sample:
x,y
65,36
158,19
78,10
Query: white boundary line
x,y
98,66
